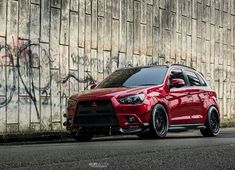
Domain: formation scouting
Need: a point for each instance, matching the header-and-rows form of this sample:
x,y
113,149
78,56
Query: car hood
x,y
107,93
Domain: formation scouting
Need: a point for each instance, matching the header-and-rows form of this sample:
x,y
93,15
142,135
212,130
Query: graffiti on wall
x,y
20,64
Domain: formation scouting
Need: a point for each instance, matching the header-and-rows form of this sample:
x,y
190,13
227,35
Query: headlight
x,y
136,99
71,103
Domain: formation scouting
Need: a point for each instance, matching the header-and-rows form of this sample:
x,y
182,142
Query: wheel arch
x,y
152,126
211,130
164,106
217,112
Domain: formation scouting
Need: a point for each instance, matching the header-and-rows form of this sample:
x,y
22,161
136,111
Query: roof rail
x,y
182,66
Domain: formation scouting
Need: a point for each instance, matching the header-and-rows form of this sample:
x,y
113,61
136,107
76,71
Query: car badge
x,y
93,104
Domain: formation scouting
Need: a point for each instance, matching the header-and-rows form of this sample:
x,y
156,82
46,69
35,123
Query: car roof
x,y
186,67
182,66
166,66
149,66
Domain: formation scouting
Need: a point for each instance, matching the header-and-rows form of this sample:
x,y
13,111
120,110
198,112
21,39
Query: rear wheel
x,y
212,123
159,122
82,137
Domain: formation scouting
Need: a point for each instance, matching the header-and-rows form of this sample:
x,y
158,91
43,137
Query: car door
x,y
179,100
197,94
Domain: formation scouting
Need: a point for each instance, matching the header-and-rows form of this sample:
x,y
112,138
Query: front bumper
x,y
110,130
117,121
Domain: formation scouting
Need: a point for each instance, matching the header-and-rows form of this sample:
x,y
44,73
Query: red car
x,y
147,101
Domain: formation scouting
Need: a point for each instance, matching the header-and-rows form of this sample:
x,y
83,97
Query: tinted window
x,y
193,79
135,77
202,81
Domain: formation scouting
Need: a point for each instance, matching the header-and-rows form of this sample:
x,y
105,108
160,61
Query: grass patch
x,y
228,122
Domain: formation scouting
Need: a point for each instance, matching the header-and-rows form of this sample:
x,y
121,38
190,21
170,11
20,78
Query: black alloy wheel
x,y
159,122
212,123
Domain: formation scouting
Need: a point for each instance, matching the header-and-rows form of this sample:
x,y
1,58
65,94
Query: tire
x,y
82,137
212,123
158,124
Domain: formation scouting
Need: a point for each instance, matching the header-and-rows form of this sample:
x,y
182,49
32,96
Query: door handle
x,y
204,93
189,94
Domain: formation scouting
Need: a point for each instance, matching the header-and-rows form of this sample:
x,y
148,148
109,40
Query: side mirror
x,y
177,83
94,86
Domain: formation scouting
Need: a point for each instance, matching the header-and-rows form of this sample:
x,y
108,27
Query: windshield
x,y
145,76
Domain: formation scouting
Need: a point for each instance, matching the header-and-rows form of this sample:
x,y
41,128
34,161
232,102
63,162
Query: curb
x,y
227,123
61,136
30,137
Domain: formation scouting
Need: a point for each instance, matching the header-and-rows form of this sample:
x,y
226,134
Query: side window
x,y
176,74
203,83
193,79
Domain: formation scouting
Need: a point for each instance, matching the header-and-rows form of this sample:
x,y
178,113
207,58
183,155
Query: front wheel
x,y
212,123
82,137
158,122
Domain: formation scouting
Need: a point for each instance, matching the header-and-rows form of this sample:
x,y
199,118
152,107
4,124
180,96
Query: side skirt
x,y
185,127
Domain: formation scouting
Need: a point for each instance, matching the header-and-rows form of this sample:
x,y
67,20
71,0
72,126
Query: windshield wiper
x,y
147,84
116,86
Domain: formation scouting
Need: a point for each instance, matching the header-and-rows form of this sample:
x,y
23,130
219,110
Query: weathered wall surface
x,y
50,49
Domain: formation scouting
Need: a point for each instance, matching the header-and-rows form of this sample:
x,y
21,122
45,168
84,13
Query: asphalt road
x,y
187,150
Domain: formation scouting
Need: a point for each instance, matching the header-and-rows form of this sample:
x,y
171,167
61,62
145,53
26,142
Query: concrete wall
x,y
50,49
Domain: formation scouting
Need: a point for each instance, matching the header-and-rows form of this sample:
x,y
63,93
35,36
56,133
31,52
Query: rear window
x,y
138,76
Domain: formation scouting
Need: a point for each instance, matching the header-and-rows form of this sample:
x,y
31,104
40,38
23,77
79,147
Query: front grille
x,y
96,114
